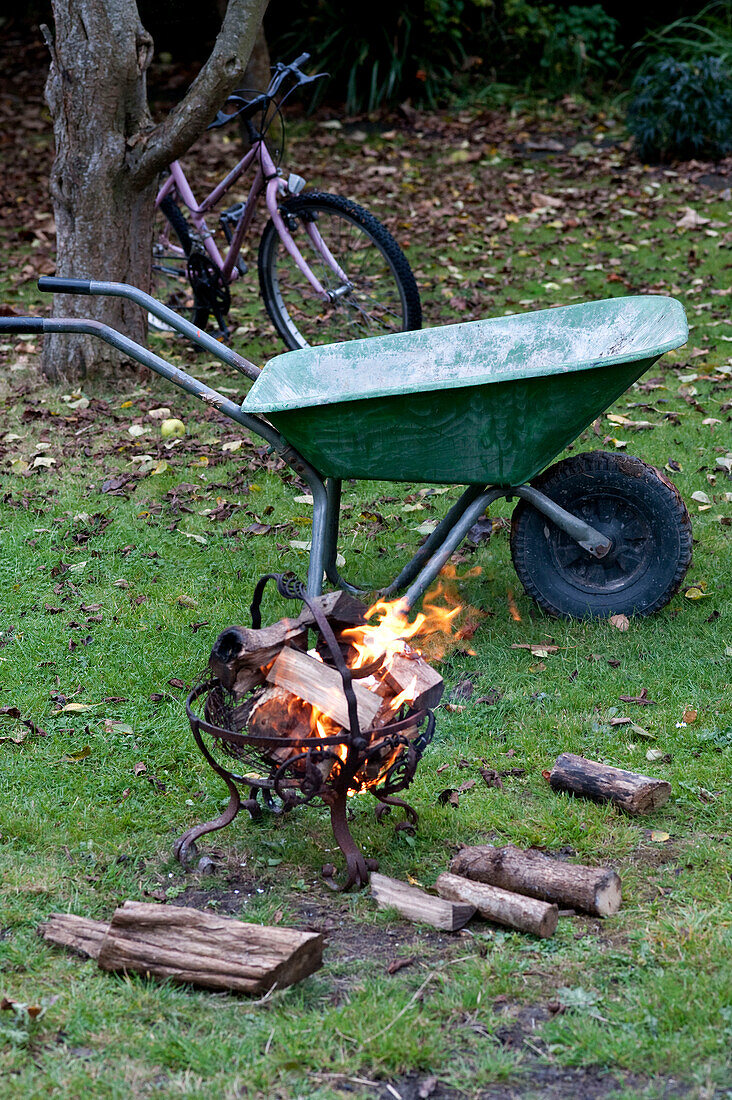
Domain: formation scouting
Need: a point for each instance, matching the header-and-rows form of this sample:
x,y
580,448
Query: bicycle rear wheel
x,y
379,294
172,247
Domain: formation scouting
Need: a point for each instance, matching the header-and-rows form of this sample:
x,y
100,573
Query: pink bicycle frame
x,y
266,171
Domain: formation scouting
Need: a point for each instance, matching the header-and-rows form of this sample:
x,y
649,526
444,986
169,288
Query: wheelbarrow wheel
x,y
633,504
378,296
172,247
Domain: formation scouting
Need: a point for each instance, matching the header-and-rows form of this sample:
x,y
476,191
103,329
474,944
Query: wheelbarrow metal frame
x,y
419,573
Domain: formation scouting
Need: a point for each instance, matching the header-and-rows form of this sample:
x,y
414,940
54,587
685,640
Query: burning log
x,y
416,905
571,885
186,945
322,687
409,672
636,794
239,654
501,906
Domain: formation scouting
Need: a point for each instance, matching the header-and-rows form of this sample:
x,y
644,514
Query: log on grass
x,y
239,653
634,793
186,945
594,890
79,934
501,906
322,687
416,905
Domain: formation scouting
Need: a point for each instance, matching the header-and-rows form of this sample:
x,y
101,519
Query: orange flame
x,y
512,609
432,633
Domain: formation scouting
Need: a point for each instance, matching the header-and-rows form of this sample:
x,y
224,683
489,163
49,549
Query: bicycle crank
x,y
209,288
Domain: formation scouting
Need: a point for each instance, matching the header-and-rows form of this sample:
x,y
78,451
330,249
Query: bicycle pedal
x,y
241,267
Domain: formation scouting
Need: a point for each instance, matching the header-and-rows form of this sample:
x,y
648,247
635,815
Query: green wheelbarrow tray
x,y
487,402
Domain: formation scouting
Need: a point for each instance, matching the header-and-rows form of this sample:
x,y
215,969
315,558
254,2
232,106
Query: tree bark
x,y
109,155
634,793
501,906
593,889
96,93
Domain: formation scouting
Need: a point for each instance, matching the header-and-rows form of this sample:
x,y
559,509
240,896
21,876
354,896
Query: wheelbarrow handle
x,y
22,324
54,285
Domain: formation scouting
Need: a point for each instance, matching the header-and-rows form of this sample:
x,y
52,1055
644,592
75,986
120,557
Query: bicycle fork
x,y
274,187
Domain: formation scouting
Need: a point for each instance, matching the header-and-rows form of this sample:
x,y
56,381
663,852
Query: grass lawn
x,y
122,559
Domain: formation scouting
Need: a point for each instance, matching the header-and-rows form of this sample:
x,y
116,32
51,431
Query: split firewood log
x,y
322,687
186,945
410,672
416,905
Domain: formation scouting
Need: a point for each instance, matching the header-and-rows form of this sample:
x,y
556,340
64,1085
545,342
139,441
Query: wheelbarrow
x,y
485,404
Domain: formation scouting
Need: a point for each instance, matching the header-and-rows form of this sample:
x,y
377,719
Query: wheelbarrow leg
x,y
433,541
449,544
320,534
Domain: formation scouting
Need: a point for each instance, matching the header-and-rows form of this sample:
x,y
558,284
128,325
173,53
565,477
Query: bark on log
x,y
186,945
322,687
79,934
501,906
416,905
636,794
594,890
239,649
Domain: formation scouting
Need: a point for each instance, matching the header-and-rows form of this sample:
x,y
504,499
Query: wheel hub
x,y
628,530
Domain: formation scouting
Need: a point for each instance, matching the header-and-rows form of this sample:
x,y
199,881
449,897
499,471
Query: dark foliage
x,y
682,109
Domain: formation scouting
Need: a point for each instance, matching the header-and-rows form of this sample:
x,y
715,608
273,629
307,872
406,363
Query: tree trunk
x,y
109,156
257,72
96,92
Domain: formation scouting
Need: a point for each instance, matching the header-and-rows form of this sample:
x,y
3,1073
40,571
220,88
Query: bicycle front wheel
x,y
369,281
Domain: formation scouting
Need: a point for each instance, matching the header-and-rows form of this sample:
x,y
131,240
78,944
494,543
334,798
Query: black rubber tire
x,y
173,269
624,498
346,319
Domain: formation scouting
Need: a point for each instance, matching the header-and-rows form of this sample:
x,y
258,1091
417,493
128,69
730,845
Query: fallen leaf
x,y
689,715
398,964
659,837
537,649
690,219
76,757
642,700
139,768
620,622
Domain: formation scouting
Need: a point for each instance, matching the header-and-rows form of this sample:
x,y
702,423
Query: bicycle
x,y
328,270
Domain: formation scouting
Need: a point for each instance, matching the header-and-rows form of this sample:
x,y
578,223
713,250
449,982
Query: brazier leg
x,y
185,848
357,867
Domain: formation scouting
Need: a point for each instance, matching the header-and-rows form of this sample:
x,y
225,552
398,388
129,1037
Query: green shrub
x,y
580,46
682,109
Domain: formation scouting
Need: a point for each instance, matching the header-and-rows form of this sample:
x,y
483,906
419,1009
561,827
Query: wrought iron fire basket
x,y
292,771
